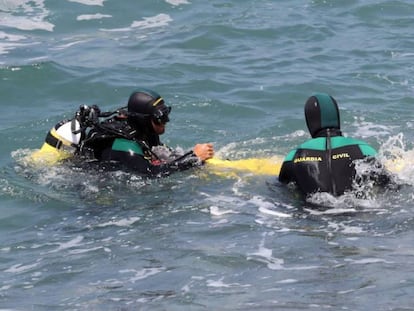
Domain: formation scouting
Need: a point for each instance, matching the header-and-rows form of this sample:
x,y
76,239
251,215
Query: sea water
x,y
237,73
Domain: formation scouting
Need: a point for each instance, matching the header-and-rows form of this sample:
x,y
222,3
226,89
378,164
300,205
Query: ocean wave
x,y
89,2
157,21
88,17
25,15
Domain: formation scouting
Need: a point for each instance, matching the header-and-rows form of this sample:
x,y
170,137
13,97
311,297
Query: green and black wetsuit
x,y
116,144
137,156
325,164
128,139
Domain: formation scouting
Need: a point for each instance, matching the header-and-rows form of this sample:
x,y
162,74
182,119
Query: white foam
x,y
398,158
142,274
287,281
267,211
346,203
366,261
87,17
4,288
24,23
64,46
265,255
220,284
391,80
86,250
120,223
159,20
267,207
221,200
11,38
34,17
366,129
19,268
89,2
8,43
346,229
72,243
331,211
177,2
216,211
296,134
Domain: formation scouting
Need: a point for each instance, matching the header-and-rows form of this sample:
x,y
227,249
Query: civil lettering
x,y
340,156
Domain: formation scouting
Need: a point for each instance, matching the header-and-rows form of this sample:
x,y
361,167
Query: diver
x,y
126,138
326,163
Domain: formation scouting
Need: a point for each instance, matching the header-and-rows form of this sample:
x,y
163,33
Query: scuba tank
x,y
60,143
63,140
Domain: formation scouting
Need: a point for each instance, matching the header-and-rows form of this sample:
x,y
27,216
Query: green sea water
x,y
237,73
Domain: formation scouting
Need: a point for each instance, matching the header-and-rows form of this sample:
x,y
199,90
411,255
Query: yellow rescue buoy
x,y
258,166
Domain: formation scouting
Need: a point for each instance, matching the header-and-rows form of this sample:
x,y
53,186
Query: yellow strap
x,y
157,102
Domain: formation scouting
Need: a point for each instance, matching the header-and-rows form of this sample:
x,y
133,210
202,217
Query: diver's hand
x,y
204,151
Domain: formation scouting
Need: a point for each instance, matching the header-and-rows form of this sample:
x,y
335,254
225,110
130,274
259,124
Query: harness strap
x,y
73,127
53,139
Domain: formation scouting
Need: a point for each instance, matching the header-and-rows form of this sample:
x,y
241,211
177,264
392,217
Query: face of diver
x,y
160,118
159,128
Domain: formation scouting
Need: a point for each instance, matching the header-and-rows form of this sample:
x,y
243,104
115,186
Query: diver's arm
x,y
184,162
196,157
130,154
138,163
285,175
286,171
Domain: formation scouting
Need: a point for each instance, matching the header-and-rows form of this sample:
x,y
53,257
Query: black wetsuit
x,y
138,157
325,164
116,146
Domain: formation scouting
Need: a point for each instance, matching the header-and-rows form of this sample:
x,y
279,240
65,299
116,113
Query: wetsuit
x,y
138,157
325,163
115,145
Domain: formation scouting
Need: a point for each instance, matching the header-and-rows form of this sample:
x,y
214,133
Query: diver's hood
x,y
143,106
322,114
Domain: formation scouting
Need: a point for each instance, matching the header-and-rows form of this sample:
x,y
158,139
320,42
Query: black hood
x,y
322,115
143,105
